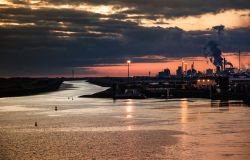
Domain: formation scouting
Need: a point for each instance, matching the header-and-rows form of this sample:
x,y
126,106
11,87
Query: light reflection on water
x,y
184,110
214,127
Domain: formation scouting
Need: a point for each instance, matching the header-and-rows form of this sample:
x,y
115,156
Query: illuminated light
x,y
34,1
128,61
129,128
5,2
103,9
94,32
208,80
63,32
199,80
63,24
203,80
129,116
184,110
64,37
15,24
99,9
104,19
129,109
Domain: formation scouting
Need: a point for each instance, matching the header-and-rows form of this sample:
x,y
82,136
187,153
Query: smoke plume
x,y
219,29
211,50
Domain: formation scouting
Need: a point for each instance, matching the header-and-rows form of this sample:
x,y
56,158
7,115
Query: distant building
x,y
209,72
199,74
165,73
230,71
191,73
179,72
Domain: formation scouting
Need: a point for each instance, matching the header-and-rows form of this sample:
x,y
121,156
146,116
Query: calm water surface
x,y
210,130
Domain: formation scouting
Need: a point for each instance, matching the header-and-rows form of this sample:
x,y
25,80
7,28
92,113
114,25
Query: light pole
x,y
128,62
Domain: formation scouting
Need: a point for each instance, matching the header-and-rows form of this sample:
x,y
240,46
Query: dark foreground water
x,y
85,128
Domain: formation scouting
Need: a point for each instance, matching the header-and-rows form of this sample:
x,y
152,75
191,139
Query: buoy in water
x,y
55,108
35,124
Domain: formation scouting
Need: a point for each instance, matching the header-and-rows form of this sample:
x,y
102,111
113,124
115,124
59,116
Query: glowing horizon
x,y
143,68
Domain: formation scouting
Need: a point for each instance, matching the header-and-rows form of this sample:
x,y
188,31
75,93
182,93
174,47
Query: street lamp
x,y
128,62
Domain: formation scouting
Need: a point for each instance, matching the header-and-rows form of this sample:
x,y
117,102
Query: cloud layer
x,y
52,37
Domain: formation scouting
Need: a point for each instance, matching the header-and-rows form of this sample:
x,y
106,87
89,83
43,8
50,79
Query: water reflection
x,y
184,110
129,128
129,104
205,130
221,105
184,120
129,116
129,108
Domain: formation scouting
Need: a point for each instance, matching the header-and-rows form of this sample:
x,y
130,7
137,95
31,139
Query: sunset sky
x,y
96,37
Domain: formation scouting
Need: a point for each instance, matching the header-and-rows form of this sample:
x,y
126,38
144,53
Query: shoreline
x,y
16,87
177,93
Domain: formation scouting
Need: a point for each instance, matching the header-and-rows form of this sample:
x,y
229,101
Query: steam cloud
x,y
219,29
212,50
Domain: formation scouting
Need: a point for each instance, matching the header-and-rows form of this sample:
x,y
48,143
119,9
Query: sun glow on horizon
x,y
143,68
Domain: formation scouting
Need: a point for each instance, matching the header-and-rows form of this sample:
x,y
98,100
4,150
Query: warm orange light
x,y
141,69
202,22
128,61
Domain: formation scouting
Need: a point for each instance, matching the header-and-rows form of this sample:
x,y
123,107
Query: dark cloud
x,y
168,8
52,41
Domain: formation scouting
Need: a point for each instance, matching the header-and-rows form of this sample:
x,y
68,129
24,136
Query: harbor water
x,y
94,128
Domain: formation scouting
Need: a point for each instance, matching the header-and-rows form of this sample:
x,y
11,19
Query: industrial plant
x,y
225,82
